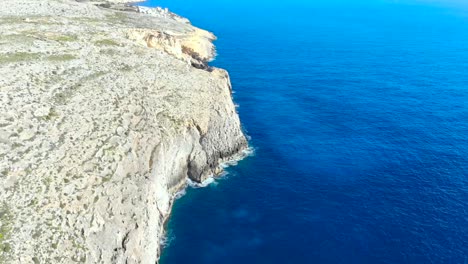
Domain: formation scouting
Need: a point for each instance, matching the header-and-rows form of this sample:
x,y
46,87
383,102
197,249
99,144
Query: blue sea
x,y
358,114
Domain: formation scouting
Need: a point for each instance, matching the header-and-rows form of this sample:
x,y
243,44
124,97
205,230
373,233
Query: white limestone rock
x,y
104,115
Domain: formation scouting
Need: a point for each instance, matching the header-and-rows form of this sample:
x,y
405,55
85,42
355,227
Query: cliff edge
x,y
106,110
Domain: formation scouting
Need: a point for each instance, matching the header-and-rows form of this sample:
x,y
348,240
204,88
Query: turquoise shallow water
x,y
358,113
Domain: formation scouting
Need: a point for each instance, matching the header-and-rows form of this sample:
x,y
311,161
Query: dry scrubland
x,y
105,110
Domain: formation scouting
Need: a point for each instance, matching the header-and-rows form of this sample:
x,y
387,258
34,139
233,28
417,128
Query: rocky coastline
x,y
106,110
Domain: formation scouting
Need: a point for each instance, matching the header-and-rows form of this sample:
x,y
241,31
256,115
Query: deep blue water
x,y
358,112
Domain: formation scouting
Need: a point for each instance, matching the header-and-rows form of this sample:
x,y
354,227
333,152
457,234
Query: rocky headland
x,y
106,110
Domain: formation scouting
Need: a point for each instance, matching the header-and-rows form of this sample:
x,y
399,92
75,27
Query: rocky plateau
x,y
106,109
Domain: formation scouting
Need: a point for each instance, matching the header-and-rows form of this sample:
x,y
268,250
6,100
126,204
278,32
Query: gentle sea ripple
x,y
359,117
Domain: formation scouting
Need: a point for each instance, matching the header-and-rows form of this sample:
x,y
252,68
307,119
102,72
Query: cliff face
x,y
104,115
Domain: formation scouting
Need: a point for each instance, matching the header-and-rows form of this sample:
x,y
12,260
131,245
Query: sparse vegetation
x,y
117,17
93,76
88,20
36,234
80,91
109,52
106,42
61,57
11,20
18,57
16,145
106,179
6,219
19,38
62,98
64,38
52,115
126,68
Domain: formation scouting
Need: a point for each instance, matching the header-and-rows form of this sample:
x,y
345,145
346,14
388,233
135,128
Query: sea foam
x,y
213,180
167,239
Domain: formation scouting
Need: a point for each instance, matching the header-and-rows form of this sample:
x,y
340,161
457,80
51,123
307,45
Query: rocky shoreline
x,y
106,110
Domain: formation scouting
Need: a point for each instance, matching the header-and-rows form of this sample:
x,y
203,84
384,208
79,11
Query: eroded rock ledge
x,y
105,112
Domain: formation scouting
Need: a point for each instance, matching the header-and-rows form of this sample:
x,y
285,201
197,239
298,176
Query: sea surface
x,y
358,114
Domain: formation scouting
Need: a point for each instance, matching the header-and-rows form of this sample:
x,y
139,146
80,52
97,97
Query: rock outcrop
x,y
105,111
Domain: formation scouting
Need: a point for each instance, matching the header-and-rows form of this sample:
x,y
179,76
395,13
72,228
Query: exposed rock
x,y
103,118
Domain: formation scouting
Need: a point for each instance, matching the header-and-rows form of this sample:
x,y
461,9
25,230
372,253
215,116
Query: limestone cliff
x,y
105,110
